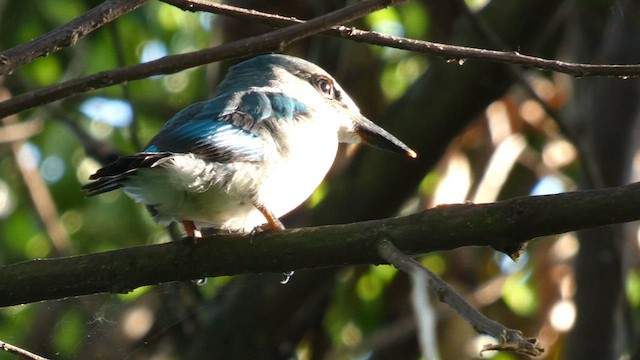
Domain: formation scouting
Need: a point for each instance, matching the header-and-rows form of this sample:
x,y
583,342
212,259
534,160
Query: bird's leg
x,y
273,223
192,230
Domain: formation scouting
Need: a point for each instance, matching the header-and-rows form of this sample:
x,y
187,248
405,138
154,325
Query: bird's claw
x,y
257,230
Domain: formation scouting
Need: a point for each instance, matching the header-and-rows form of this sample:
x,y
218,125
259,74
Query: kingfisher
x,y
253,152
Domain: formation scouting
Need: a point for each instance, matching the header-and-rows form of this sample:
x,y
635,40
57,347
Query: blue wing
x,y
223,129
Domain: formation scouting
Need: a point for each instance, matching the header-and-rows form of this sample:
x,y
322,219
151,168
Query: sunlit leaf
x,y
632,287
45,71
68,330
519,295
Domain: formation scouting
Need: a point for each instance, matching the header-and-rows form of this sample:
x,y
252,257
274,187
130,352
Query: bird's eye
x,y
325,86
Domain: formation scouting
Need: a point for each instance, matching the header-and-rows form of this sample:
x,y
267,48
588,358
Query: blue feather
x,y
285,107
221,129
262,106
255,104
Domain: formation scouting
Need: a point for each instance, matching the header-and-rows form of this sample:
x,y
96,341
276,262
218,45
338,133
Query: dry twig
x,y
510,339
20,352
451,53
66,35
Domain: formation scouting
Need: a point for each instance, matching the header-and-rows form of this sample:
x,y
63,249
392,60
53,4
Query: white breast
x,y
292,178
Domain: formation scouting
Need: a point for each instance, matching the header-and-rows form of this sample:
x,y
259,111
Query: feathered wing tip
x,y
111,176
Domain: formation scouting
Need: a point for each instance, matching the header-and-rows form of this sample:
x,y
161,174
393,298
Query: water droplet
x,y
199,282
624,77
451,61
286,276
462,61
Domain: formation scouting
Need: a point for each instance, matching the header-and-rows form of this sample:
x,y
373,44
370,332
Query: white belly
x,y
223,195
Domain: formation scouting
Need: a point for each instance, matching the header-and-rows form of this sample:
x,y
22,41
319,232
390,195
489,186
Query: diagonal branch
x,y
449,52
510,339
19,351
271,41
504,225
66,35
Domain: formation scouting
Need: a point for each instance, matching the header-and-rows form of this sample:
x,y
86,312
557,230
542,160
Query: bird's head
x,y
316,90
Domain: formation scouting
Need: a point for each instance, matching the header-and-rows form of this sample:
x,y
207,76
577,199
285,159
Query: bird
x,y
249,155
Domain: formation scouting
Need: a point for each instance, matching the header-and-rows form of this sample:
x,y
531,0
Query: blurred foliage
x,y
363,300
401,68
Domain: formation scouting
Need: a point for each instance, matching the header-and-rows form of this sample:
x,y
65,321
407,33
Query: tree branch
x,y
504,226
66,35
509,339
19,351
449,52
275,40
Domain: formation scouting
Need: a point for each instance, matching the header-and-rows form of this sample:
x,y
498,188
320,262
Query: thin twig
x,y
275,40
510,339
515,71
66,35
20,352
487,31
449,52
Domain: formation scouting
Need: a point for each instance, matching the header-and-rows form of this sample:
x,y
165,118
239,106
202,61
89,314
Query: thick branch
x,y
272,41
450,52
66,35
504,226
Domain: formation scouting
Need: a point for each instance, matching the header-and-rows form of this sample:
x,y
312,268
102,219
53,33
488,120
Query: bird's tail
x,y
113,175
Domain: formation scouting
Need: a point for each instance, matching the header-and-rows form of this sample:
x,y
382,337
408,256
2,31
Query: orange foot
x,y
273,223
192,230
